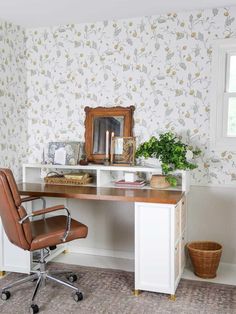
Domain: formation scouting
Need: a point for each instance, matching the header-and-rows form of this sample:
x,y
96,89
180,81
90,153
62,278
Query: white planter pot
x,y
152,162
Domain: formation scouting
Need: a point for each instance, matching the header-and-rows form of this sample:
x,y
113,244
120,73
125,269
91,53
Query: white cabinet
x,y
13,258
159,257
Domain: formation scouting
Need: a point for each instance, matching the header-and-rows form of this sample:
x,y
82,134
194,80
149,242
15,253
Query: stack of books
x,y
126,184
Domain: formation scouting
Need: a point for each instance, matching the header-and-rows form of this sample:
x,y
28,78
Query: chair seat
x,y
49,231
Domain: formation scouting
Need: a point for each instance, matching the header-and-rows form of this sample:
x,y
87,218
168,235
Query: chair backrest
x,y
11,211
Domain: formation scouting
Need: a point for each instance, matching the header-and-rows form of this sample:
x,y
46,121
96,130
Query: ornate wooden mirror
x,y
116,120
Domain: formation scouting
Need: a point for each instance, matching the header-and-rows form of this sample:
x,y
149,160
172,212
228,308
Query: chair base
x,y
41,276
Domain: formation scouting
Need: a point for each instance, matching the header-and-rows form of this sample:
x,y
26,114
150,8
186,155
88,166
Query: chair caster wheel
x,y
78,296
34,309
5,295
72,278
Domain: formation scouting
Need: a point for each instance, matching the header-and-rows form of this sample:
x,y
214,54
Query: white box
x,y
130,177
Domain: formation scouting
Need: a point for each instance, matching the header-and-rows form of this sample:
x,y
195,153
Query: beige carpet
x,y
110,291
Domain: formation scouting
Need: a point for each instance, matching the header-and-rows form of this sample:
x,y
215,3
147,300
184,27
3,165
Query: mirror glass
x,y
100,126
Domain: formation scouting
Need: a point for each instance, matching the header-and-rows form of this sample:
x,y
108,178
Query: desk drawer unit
x,y
157,253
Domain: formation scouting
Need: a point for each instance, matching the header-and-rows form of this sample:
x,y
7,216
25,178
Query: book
x,y
137,183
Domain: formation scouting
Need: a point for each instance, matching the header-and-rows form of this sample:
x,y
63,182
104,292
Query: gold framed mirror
x,y
101,124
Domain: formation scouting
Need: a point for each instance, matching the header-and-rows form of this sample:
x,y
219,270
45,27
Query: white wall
x,y
212,216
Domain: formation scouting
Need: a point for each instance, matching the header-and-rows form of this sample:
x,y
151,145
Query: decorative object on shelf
x,y
130,176
159,181
123,151
134,184
151,162
83,162
172,153
100,125
205,257
63,153
69,178
106,162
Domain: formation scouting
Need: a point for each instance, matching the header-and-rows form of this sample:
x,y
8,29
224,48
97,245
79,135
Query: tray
x,y
55,179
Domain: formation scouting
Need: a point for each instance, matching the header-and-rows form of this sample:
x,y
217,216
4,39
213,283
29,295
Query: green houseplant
x,y
172,153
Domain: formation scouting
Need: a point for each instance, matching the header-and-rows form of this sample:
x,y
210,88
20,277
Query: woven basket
x,y
158,181
60,179
205,257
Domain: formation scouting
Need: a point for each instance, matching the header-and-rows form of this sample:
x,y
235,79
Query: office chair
x,y
34,235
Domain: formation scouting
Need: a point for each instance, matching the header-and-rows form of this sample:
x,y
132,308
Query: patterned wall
x,y
13,109
160,64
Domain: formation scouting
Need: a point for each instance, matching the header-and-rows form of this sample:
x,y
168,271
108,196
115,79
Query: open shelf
x,y
104,176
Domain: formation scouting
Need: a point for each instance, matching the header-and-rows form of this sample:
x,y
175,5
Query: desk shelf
x,y
104,176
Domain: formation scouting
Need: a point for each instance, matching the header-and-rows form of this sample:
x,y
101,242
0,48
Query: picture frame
x,y
117,120
63,153
123,150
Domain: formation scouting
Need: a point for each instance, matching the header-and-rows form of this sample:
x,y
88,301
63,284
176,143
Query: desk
x,y
160,223
101,193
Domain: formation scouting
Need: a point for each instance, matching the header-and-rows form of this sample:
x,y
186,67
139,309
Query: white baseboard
x,y
226,274
96,261
100,252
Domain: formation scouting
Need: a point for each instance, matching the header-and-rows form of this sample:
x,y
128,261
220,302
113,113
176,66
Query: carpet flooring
x,y
110,291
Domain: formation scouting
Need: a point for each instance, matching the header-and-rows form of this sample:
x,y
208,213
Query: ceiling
x,y
36,13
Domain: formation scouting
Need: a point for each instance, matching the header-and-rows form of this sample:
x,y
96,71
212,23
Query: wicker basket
x,y
61,179
158,181
205,257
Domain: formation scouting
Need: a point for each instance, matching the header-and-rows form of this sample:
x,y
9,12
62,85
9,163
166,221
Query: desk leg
x,y
136,292
2,273
172,297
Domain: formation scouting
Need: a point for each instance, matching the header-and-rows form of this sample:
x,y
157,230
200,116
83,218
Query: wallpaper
x,y
160,64
13,109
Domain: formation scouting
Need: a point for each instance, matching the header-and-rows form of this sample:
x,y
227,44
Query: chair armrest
x,y
29,198
49,210
32,198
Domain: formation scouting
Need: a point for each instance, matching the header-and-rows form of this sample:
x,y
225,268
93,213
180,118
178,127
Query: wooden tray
x,y
62,180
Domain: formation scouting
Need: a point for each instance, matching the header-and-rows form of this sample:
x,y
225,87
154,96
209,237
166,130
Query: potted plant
x,y
172,153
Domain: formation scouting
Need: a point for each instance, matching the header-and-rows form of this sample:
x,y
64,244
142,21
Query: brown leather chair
x,y
34,235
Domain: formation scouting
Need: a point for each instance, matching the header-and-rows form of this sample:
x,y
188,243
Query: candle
x,y
107,144
112,150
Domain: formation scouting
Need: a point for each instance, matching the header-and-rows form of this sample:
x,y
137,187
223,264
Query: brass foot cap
x,y
172,297
136,293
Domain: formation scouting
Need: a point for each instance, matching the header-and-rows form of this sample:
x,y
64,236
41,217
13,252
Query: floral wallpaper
x,y
160,64
13,109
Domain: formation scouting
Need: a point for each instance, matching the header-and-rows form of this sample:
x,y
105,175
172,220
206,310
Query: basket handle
x,y
51,173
